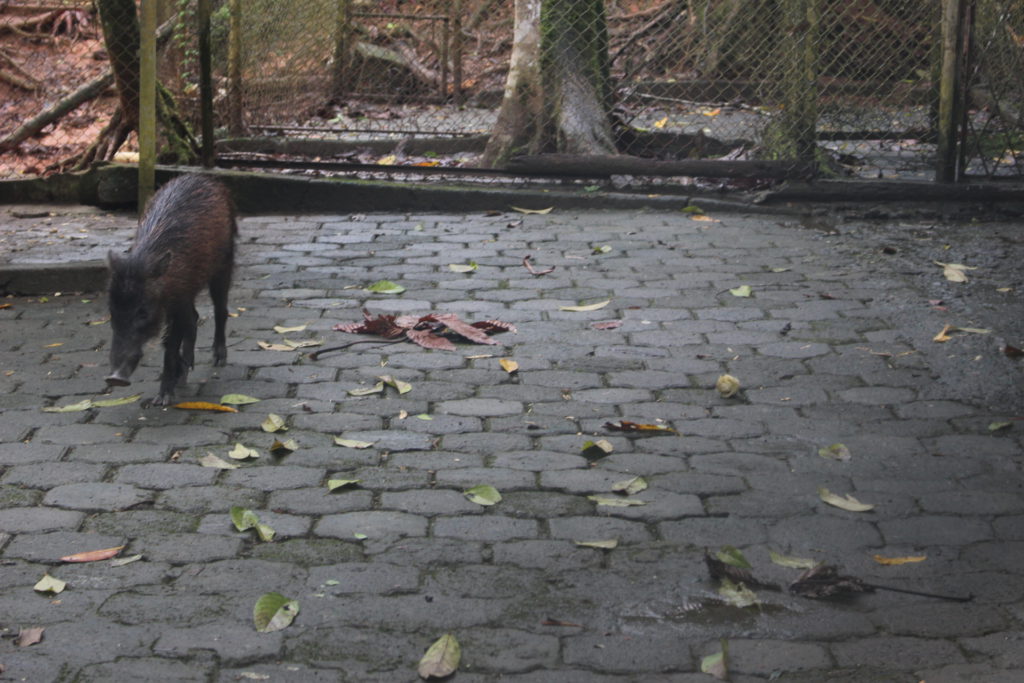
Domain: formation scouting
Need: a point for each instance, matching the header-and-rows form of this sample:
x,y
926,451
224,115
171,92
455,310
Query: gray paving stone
x,y
896,652
98,496
626,654
374,524
165,475
485,528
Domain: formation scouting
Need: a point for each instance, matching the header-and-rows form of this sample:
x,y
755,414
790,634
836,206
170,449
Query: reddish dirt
x,y
59,55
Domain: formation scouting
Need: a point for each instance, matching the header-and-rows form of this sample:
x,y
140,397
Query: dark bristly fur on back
x,y
185,242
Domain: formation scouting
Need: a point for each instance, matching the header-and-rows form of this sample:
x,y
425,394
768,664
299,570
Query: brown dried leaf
x,y
824,581
494,326
627,426
429,340
29,636
461,328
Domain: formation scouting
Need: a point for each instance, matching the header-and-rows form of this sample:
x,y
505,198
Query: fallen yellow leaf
x,y
203,405
93,555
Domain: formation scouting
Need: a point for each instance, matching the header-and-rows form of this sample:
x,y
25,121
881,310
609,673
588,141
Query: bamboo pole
x,y
946,170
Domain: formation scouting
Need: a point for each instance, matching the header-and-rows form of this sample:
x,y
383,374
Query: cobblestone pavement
x,y
834,346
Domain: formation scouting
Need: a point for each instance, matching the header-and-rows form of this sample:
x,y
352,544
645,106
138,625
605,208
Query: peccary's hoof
x,y
117,381
163,400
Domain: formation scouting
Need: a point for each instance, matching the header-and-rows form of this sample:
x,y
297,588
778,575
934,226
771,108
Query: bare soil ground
x,y
56,56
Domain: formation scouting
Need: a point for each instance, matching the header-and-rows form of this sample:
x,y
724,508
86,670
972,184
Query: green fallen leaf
x,y
265,532
385,287
847,502
717,665
733,556
616,502
71,408
273,423
529,211
240,452
211,460
597,449
441,659
630,486
49,584
273,612
243,518
792,562
836,451
996,426
462,267
588,307
609,544
280,329
484,494
359,536
692,208
603,249
238,399
737,595
423,416
351,443
124,400
122,561
741,291
402,387
303,343
333,484
283,447
375,389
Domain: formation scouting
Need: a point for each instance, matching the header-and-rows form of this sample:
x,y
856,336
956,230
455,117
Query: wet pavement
x,y
835,344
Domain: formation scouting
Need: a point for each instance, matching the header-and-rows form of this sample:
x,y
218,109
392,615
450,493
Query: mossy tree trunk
x,y
120,22
558,91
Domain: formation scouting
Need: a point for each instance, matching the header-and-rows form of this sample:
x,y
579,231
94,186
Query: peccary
x,y
185,241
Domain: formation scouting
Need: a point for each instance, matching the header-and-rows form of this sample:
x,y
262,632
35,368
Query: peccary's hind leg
x,y
219,286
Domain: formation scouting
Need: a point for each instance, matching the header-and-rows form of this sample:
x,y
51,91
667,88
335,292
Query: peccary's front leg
x,y
181,326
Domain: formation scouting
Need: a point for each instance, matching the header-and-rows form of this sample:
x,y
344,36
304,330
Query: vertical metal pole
x,y
445,37
205,83
235,67
949,86
457,50
342,80
147,102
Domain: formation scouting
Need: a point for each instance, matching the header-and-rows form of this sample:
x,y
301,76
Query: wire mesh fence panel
x,y
994,124
348,71
771,78
849,86
54,99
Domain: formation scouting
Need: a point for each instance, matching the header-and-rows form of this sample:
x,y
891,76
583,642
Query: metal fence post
x,y
205,83
147,102
457,51
235,67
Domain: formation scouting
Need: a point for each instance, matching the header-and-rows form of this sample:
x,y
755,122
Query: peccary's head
x,y
135,312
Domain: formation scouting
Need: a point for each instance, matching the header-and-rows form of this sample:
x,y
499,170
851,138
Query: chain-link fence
x,y
850,87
